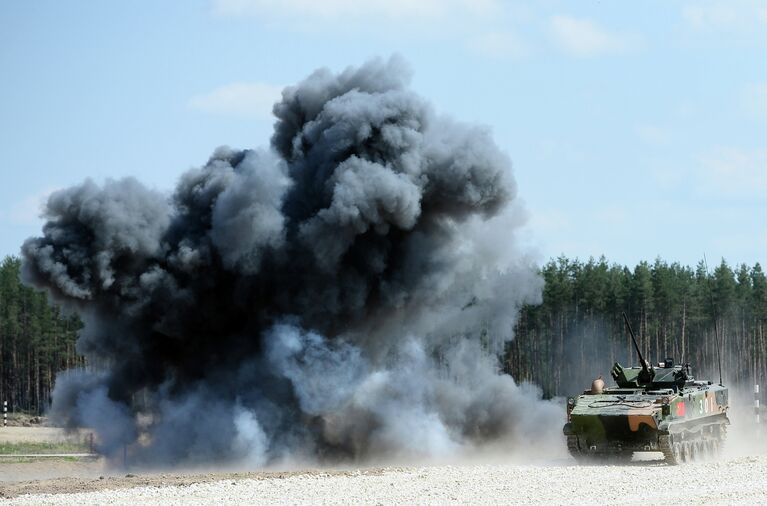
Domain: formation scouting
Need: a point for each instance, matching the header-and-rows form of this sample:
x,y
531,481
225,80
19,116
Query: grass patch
x,y
29,460
37,447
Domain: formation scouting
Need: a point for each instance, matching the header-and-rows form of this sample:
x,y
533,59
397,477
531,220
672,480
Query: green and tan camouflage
x,y
661,409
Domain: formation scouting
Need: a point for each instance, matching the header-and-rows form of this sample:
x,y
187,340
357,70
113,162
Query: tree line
x,y
36,342
561,344
676,311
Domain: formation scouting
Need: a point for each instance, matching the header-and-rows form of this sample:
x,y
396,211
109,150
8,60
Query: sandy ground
x,y
734,481
33,434
11,470
41,434
29,470
737,478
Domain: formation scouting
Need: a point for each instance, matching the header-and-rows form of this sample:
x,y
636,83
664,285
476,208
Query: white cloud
x,y
328,9
550,221
654,135
482,26
724,172
246,100
725,16
754,99
584,38
499,45
734,21
734,172
711,16
28,210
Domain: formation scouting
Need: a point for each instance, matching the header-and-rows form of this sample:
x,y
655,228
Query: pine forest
x,y
561,344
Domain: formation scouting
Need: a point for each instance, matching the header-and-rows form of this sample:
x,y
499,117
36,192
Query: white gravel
x,y
736,481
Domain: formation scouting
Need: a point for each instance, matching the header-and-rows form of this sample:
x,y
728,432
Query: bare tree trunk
x,y
684,323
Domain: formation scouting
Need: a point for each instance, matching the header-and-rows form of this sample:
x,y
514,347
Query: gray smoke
x,y
342,295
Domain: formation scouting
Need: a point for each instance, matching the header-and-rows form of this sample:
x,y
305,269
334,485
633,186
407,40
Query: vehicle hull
x,y
684,425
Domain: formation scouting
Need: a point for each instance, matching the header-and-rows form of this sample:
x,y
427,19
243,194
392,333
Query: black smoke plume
x,y
340,295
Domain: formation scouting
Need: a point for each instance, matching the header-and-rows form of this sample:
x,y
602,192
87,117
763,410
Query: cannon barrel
x,y
647,372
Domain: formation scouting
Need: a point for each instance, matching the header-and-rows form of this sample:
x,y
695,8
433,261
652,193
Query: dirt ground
x,y
47,475
29,470
38,434
14,469
735,481
105,481
735,478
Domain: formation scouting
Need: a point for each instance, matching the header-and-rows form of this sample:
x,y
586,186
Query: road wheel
x,y
677,449
693,451
687,451
700,451
716,447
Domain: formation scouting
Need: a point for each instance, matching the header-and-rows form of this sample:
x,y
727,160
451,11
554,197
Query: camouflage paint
x,y
636,417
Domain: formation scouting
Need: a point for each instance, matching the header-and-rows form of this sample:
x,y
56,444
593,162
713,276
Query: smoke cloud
x,y
342,295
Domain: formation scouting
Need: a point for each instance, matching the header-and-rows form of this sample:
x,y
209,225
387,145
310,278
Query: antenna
x,y
716,320
642,361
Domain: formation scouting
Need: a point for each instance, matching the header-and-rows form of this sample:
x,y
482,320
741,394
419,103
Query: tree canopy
x,y
578,330
576,333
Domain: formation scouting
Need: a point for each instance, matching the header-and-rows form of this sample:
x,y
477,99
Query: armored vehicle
x,y
651,409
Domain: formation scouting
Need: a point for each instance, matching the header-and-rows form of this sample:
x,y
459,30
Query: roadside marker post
x,y
756,409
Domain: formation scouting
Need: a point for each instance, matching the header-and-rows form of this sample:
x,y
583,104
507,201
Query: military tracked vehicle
x,y
651,409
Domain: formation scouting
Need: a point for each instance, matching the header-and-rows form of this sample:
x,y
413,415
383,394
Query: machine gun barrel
x,y
636,345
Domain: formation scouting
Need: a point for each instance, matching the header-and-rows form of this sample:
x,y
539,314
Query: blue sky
x,y
636,130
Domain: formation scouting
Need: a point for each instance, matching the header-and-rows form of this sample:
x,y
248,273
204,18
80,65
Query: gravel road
x,y
733,481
